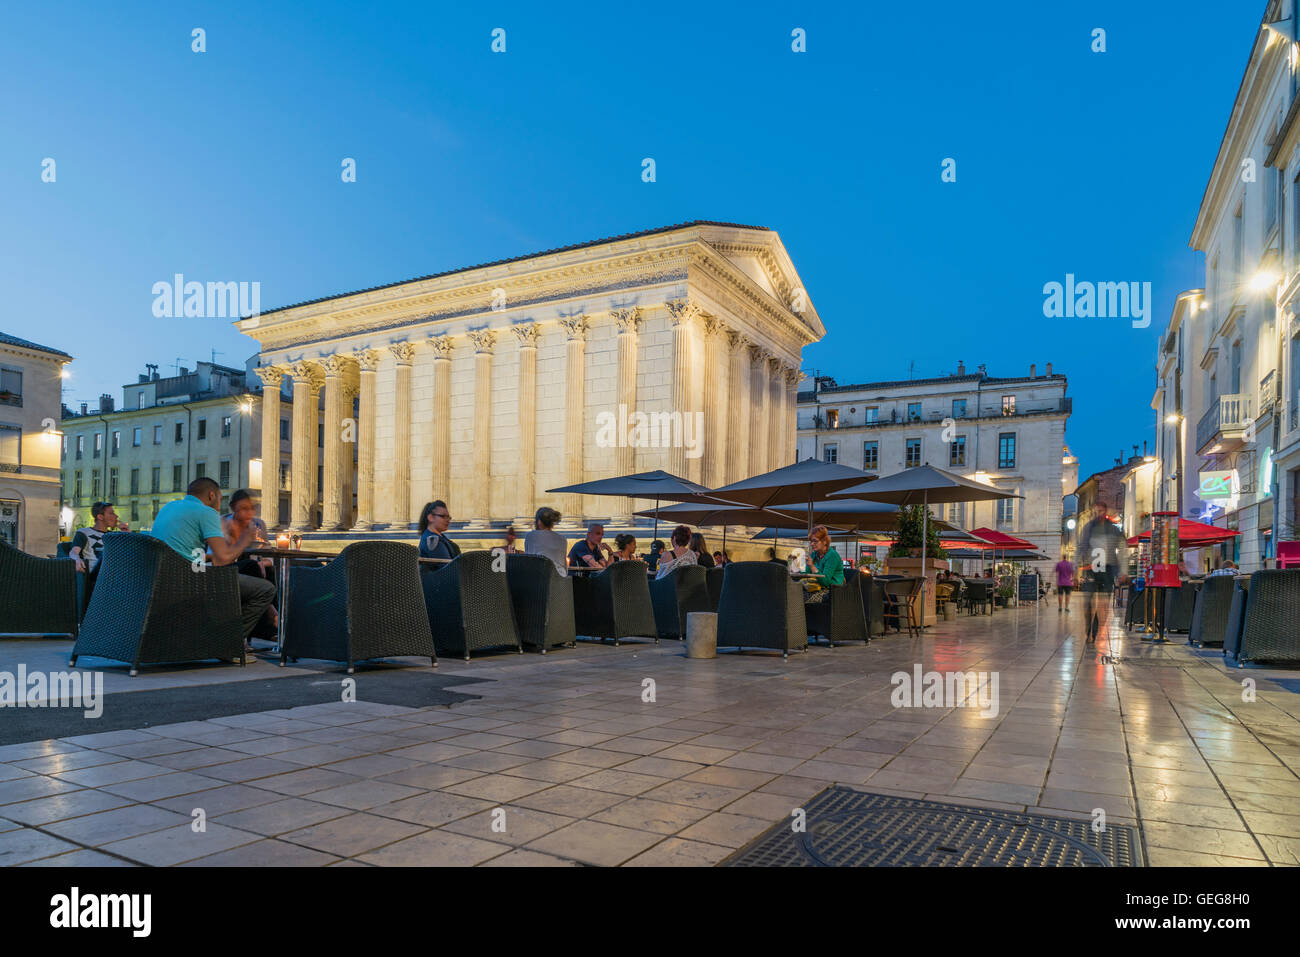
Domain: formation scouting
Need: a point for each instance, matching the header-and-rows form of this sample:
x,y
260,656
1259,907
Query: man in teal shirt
x,y
191,526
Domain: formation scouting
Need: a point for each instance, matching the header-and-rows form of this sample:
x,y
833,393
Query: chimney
x,y
961,367
1033,370
105,403
982,368
83,408
184,371
1049,368
141,378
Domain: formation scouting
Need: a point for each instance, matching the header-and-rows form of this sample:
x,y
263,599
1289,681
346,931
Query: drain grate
x,y
847,828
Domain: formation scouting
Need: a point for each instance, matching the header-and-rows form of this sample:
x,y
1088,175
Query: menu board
x,y
1164,550
1028,587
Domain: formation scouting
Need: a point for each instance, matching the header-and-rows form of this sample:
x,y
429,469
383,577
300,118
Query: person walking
x,y
1101,545
1064,583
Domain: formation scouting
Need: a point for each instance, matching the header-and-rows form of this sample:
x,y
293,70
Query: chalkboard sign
x,y
1028,588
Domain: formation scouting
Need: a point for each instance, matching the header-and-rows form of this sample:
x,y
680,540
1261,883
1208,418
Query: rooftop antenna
x,y
215,353
911,369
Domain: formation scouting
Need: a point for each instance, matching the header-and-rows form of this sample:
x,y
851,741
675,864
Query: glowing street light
x,y
1263,281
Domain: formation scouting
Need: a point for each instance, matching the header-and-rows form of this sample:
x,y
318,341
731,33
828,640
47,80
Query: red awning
x,y
1002,540
1192,534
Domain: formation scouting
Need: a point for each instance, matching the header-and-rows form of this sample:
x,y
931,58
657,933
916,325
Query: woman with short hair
x,y
680,554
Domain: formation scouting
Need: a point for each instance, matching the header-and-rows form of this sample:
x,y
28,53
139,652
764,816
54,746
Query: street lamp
x,y
1176,419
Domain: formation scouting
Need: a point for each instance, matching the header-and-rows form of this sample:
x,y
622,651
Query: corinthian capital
x,y
367,359
403,352
271,376
713,326
483,339
308,375
758,354
681,310
527,333
441,345
575,327
736,342
627,320
336,365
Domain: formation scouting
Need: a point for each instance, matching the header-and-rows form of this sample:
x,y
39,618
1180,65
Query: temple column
x,y
714,381
403,354
526,472
575,391
307,382
792,379
332,511
272,377
757,430
368,363
737,409
628,324
680,313
775,413
441,346
351,389
481,503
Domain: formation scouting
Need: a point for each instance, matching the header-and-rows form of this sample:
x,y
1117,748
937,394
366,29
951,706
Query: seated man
x,y
591,552
192,524
88,543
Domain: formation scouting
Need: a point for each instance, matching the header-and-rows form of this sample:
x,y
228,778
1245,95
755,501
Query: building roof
x,y
973,379
24,344
515,259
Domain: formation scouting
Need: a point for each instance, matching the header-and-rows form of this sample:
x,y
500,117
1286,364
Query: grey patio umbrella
x,y
921,486
803,484
658,485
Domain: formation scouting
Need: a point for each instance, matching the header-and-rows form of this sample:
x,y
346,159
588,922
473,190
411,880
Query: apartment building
x,y
1007,432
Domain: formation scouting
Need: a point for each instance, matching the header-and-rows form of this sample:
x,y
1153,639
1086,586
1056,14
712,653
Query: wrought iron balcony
x,y
1225,420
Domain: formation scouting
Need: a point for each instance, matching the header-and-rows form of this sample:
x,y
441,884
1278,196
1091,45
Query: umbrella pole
x,y
656,531
925,521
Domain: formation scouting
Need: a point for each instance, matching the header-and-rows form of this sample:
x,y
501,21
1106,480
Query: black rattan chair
x,y
683,590
1210,617
615,603
1271,629
364,604
38,596
150,606
1135,609
979,594
713,577
1236,615
469,606
839,616
761,607
542,600
1180,604
873,605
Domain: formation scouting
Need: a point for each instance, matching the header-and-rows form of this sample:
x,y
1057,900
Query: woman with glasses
x,y
434,522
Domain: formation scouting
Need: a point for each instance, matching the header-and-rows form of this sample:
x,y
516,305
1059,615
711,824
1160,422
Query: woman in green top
x,y
827,563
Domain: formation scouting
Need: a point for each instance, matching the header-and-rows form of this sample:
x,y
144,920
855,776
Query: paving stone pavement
x,y
563,762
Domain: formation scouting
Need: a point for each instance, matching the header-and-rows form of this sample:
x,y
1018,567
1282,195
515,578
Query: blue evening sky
x,y
225,165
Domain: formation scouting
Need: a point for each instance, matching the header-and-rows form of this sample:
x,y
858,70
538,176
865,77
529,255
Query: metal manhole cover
x,y
847,828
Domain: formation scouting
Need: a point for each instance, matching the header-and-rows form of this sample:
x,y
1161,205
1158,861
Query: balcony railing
x,y
1227,413
895,418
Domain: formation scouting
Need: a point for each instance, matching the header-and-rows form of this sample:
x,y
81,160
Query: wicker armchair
x,y
362,605
151,606
1180,604
761,607
904,595
873,605
681,591
839,616
1270,631
542,600
38,596
1236,616
469,606
615,603
713,577
1210,617
979,594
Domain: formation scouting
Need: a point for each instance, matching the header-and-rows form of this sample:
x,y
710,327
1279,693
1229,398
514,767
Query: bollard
x,y
701,634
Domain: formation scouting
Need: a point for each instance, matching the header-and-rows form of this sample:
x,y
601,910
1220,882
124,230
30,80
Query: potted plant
x,y
1004,593
907,535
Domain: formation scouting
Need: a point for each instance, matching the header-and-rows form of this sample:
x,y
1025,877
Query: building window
x,y
200,470
225,426
157,435
873,415
284,477
139,400
135,481
203,431
870,456
178,477
11,387
913,453
957,451
1236,367
180,432
155,509
1007,513
284,430
1008,405
99,443
833,418
112,484
1007,450
958,408
81,445
1270,199
94,484
135,438
135,511
831,453
1238,245
957,513
76,488
224,480
117,441
913,411
11,448
155,479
